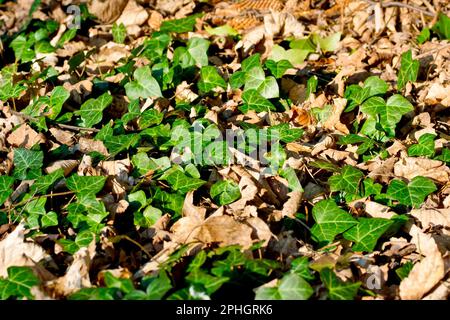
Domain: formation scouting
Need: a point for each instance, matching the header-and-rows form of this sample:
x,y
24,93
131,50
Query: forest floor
x,y
265,149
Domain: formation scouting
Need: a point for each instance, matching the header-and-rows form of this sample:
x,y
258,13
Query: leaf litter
x,y
119,179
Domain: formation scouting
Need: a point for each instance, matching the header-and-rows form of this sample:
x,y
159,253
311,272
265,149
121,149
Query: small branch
x,y
65,126
75,128
65,193
401,5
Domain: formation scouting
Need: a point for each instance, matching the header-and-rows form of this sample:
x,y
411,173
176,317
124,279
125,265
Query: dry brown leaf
x,y
90,145
67,165
433,217
107,11
63,136
225,231
426,273
16,251
25,136
77,274
411,167
133,14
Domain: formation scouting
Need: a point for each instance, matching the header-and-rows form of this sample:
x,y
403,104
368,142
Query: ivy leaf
x,y
22,48
27,163
404,270
149,117
251,62
91,111
255,101
269,88
444,156
294,56
338,290
225,192
124,285
442,26
267,293
311,85
409,69
179,25
284,133
328,44
294,287
157,286
19,283
348,180
42,183
210,79
224,30
143,86
83,185
57,98
198,50
278,68
366,233
119,32
375,86
412,194
180,182
6,189
424,148
330,221
116,144
390,112
423,36
237,79
254,78
300,266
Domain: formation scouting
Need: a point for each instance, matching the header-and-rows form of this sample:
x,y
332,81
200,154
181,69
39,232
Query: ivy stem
x,y
65,193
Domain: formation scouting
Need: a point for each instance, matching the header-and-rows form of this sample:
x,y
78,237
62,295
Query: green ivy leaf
x,y
390,112
58,96
83,185
366,233
143,85
91,111
338,290
119,32
237,79
328,44
116,144
179,25
424,148
424,36
198,50
225,192
300,266
294,287
255,101
375,86
19,283
251,62
404,270
6,189
210,79
278,68
444,156
123,284
267,293
412,194
157,286
409,69
43,183
22,48
27,163
347,181
180,182
294,56
330,221
224,30
442,26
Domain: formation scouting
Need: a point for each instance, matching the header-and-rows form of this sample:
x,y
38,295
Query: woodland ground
x,y
119,179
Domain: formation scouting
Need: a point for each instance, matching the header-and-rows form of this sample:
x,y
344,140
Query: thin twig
x,y
65,193
65,126
68,126
401,5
